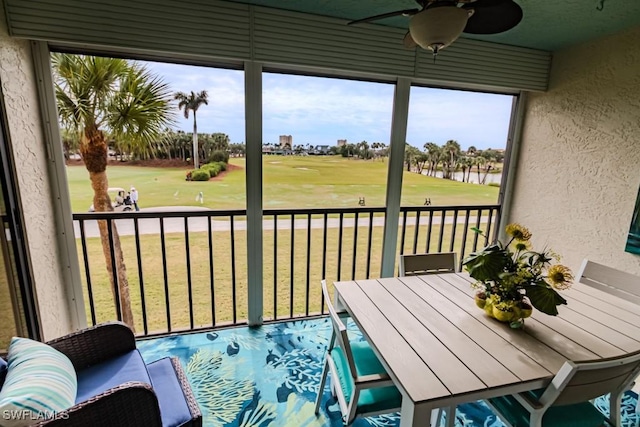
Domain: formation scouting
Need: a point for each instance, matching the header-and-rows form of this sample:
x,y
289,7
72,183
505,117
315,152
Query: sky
x,y
319,111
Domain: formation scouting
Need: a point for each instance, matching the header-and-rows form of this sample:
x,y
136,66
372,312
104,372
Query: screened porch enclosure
x,y
560,116
571,176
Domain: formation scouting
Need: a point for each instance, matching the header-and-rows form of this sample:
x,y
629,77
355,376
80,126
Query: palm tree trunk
x,y
196,154
94,150
486,172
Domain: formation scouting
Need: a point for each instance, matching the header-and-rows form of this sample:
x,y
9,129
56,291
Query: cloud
x,y
471,118
318,110
225,111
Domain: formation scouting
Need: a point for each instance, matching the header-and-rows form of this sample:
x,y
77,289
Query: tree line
x,y
448,158
451,158
170,145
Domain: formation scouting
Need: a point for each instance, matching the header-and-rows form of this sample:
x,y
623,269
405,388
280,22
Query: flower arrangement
x,y
512,278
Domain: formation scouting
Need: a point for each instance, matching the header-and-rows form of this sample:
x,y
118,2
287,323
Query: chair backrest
x,y
610,280
414,264
582,381
339,331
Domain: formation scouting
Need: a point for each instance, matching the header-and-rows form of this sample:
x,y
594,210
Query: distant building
x,y
286,139
342,142
321,150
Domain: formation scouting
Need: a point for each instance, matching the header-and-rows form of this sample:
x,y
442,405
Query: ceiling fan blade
x,y
406,12
408,41
492,16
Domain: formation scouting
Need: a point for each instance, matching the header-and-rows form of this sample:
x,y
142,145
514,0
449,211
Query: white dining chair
x,y
566,400
358,379
612,281
417,264
359,382
617,282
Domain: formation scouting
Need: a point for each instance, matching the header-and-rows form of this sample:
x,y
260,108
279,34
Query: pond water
x,y
491,178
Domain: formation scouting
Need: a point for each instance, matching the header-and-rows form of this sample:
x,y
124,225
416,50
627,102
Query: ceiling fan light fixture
x,y
437,27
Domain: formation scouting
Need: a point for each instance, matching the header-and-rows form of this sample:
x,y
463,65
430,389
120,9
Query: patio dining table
x,y
440,349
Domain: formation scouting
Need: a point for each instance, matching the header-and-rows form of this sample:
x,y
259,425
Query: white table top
x,y
441,349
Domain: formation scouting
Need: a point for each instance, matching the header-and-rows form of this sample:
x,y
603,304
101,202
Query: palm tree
x,y
363,148
465,164
410,154
374,147
489,156
97,95
480,161
421,159
433,152
192,102
452,150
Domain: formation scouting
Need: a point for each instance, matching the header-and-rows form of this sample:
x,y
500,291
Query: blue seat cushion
x,y
577,415
367,363
173,404
103,376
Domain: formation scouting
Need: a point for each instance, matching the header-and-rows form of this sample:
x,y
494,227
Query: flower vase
x,y
512,312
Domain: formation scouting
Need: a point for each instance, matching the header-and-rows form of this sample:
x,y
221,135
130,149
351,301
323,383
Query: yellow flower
x,y
518,232
523,246
560,276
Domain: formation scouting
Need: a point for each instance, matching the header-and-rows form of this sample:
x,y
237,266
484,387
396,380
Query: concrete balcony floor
x,y
269,376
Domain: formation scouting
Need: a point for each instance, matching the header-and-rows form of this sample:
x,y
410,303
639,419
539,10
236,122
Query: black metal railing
x,y
452,218
320,243
190,268
169,252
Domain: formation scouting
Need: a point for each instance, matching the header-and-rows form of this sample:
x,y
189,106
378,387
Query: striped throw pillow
x,y
40,383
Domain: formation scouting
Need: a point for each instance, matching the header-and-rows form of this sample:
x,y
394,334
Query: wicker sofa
x,y
117,388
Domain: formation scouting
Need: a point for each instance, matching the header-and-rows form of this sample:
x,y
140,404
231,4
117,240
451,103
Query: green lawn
x,y
289,182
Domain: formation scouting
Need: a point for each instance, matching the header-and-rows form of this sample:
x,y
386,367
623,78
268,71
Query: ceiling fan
x,y
438,23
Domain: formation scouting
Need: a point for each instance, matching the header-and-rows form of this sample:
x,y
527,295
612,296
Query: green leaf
x,y
545,299
476,230
487,264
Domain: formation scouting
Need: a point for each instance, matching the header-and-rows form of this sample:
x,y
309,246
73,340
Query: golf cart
x,y
120,200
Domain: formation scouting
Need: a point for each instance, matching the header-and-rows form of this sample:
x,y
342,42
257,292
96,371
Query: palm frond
x,y
112,95
142,108
191,101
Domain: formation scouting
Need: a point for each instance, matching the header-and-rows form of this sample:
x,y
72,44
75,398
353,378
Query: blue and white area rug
x,y
269,377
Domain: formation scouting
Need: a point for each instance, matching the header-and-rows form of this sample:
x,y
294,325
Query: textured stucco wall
x,y
579,167
30,160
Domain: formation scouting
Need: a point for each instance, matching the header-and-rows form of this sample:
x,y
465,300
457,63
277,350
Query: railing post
x,y
394,175
253,123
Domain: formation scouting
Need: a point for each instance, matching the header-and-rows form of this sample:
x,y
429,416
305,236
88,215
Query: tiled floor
x,y
269,377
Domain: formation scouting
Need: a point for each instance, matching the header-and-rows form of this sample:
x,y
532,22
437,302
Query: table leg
x,y
412,415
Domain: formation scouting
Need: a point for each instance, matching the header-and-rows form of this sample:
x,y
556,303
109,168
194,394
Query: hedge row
x,y
214,168
207,171
200,175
